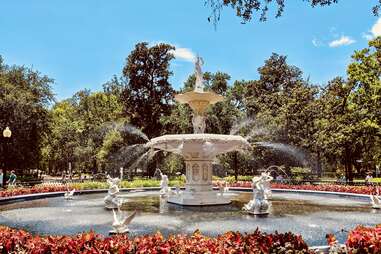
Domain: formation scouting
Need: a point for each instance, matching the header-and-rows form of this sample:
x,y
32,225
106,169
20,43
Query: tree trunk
x,y
348,166
235,165
319,169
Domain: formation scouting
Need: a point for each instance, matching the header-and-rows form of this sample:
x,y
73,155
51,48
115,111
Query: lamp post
x,y
7,133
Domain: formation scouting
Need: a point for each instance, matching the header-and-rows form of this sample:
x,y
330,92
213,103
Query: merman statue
x,y
164,189
261,187
111,200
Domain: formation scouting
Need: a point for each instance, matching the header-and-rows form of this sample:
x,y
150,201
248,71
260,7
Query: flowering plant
x,y
19,241
323,187
10,192
364,240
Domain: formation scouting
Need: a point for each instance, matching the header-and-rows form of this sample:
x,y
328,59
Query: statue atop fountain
x,y
261,187
199,86
111,200
199,149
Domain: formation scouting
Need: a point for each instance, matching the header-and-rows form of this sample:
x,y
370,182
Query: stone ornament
x,y
261,188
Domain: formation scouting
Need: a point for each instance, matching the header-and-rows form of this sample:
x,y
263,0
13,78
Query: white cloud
x,y
184,54
342,41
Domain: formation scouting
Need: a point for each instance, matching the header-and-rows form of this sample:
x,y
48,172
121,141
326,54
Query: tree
x,y
245,9
275,84
148,95
78,129
364,74
282,106
25,96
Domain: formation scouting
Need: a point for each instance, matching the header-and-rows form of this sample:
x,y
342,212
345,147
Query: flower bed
x,y
323,187
155,183
364,240
19,241
10,192
360,240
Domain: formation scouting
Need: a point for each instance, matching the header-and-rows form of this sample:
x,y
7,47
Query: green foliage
x,y
148,95
25,96
336,128
245,9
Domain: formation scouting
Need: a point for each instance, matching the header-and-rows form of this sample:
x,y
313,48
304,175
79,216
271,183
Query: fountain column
x,y
199,186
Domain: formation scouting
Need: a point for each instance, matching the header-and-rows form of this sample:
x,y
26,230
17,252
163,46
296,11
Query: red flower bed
x,y
323,187
245,184
23,191
364,240
16,241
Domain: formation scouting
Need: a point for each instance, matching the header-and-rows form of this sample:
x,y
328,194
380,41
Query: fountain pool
x,y
310,215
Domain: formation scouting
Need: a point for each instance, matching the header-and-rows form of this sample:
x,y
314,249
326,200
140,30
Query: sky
x,y
82,44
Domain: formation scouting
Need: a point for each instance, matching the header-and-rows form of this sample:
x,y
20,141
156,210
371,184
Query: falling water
x,y
274,168
126,155
124,127
146,157
237,126
260,131
288,149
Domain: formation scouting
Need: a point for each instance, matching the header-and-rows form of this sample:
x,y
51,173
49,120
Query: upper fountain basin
x,y
198,101
199,146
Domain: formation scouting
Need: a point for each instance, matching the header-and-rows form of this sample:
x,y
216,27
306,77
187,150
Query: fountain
x,y
199,149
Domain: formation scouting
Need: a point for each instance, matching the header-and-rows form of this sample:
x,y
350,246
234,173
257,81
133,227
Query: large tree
x,y
148,95
246,9
25,96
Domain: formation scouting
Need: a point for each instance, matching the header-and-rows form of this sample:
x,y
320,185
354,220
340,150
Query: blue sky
x,y
82,44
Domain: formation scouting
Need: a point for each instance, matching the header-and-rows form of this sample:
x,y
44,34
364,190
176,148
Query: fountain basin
x,y
199,146
311,215
199,151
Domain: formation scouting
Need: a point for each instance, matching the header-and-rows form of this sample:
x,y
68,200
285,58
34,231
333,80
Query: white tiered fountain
x,y
199,149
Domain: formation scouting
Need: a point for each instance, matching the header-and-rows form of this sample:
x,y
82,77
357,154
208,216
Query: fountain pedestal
x,y
199,151
199,186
